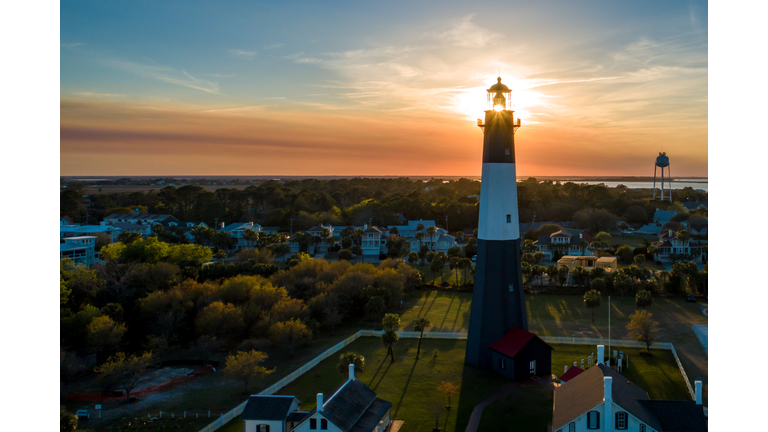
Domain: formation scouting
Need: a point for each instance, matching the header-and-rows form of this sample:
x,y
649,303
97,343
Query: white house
x,y
567,242
182,227
411,228
79,249
237,230
601,399
670,243
89,230
440,241
375,241
353,407
140,219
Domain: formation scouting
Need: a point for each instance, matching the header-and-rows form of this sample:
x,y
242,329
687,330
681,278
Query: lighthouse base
x,y
498,303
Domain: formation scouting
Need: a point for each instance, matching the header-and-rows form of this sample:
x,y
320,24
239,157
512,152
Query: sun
x,y
472,102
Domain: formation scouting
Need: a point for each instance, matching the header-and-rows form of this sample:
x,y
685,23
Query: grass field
x,y
411,385
555,315
447,276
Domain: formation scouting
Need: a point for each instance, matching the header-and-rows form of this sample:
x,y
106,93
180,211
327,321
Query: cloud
x,y
467,34
271,47
71,45
242,54
98,95
300,58
218,75
165,74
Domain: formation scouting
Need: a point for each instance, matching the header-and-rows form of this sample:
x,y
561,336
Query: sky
x,y
380,88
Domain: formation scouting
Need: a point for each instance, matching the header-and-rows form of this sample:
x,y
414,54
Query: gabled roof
x,y
649,229
263,407
141,217
373,229
561,233
353,407
571,373
240,226
320,228
692,205
514,341
677,416
446,238
586,391
664,214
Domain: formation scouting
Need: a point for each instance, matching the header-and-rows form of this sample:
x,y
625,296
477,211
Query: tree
x,y
374,306
349,358
127,238
124,372
436,265
643,328
552,273
592,300
622,282
562,275
626,253
454,263
390,337
68,421
290,333
246,366
538,271
420,325
597,285
104,335
448,389
345,254
413,257
643,299
639,259
221,320
432,230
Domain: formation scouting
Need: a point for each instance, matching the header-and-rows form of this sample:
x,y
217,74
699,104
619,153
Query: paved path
x,y
702,331
396,425
474,420
705,310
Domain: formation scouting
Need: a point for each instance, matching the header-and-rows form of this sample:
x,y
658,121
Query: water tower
x,y
662,161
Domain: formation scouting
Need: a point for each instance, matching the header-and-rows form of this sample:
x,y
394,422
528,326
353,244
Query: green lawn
x,y
527,408
448,311
447,276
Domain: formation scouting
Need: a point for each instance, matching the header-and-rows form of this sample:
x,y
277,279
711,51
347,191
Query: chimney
x,y
351,371
319,401
222,225
601,354
608,404
699,395
670,233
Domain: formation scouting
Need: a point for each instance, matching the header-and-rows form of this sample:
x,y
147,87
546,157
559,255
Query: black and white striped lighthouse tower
x,y
497,301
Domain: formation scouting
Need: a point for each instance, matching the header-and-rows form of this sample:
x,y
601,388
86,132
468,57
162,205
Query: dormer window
x,y
323,424
621,420
593,420
312,424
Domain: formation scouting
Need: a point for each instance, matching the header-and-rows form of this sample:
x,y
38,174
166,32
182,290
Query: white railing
x,y
274,388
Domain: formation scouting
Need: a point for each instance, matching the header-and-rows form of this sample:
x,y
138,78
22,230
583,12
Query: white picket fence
x,y
274,388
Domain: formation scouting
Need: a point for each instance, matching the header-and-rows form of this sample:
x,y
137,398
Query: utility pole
x,y
609,330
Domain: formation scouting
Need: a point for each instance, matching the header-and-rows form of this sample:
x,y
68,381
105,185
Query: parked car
x,y
82,414
690,298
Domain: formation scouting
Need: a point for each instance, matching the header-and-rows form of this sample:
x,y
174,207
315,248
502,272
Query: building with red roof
x,y
570,374
521,354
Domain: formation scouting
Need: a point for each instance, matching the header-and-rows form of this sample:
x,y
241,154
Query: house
x,y
694,205
662,217
237,231
653,229
570,373
521,354
670,242
79,249
66,221
610,264
314,248
110,232
571,262
567,241
411,228
375,241
601,399
140,219
271,230
353,407
127,227
440,241
182,228
272,413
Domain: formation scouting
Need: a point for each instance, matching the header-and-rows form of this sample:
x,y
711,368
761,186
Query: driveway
x,y
702,332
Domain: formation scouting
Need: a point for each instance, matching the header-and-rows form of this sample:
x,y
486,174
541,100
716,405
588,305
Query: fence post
x,y
209,413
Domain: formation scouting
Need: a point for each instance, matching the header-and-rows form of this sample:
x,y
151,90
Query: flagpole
x,y
609,330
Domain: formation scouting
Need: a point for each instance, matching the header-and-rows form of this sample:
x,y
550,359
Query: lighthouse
x,y
498,312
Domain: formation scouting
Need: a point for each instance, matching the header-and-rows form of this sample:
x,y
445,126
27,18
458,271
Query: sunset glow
x,y
366,90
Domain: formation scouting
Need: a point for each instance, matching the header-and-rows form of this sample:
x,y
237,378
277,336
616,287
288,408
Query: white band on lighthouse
x,y
498,203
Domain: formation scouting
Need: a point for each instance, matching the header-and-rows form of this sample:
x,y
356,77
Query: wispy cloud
x,y
218,75
467,34
271,47
98,95
165,74
71,44
242,54
301,58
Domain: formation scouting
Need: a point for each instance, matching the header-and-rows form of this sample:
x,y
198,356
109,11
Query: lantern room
x,y
499,97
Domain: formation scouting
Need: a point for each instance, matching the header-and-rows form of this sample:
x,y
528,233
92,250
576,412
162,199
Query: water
x,y
696,185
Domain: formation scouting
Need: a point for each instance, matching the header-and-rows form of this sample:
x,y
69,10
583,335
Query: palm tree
x,y
349,358
420,325
552,273
431,231
459,236
453,264
250,236
592,300
583,246
413,257
466,263
390,338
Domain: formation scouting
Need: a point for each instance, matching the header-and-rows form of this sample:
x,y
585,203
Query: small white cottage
x,y
353,407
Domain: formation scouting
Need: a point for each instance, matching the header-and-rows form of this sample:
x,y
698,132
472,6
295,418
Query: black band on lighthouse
x,y
499,137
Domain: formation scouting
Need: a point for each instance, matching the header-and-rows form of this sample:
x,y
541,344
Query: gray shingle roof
x,y
267,407
352,407
372,416
586,391
677,416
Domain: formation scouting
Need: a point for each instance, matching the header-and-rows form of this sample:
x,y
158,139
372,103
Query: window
x,y
509,218
502,363
511,288
323,424
533,367
642,428
313,424
262,428
593,420
572,427
621,420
